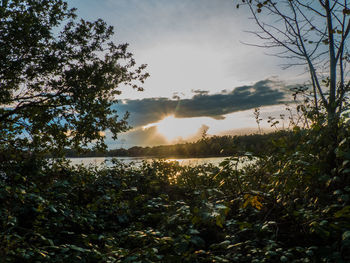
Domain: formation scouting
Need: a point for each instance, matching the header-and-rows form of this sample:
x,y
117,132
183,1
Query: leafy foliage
x,y
281,207
59,76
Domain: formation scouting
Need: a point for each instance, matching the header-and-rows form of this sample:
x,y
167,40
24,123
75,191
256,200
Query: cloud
x,y
151,110
187,45
200,92
150,136
170,132
138,136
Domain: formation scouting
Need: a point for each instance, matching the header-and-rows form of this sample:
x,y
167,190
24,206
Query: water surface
x,y
107,161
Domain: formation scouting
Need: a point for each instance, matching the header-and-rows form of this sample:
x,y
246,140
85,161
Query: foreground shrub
x,y
285,207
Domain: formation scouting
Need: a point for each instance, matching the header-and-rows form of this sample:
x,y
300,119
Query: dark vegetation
x,y
214,146
291,204
286,207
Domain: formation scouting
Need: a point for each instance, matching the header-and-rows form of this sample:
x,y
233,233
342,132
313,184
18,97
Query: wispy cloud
x,y
187,45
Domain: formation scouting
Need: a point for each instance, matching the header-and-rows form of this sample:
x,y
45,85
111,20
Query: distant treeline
x,y
206,147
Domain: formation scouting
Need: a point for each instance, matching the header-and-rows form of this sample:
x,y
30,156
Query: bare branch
x,y
307,6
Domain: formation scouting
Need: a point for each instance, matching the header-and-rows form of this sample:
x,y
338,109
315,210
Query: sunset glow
x,y
174,128
190,129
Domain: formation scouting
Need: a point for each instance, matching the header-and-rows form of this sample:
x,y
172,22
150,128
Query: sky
x,y
203,76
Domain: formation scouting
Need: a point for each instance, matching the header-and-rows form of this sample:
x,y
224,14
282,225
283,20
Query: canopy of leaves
x,y
59,76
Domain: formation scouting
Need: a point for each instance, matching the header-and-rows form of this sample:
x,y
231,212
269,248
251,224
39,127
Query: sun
x,y
176,128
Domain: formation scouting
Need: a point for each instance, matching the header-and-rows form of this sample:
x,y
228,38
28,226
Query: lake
x,y
107,161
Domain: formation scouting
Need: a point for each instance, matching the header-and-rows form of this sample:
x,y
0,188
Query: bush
x,y
284,207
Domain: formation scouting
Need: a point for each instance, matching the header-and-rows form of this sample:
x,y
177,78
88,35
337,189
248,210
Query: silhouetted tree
x,y
59,76
313,33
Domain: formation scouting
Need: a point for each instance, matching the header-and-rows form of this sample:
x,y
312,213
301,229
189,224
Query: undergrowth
x,y
288,206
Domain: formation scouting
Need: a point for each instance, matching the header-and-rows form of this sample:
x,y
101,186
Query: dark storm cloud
x,y
202,104
145,111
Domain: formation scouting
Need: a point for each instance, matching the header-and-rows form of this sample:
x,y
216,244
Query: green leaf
x,y
198,241
74,247
52,209
345,212
284,259
346,235
219,221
